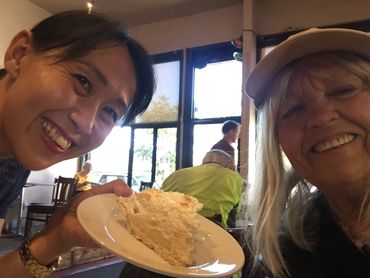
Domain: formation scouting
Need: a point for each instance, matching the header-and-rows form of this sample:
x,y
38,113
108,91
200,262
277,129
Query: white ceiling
x,y
137,12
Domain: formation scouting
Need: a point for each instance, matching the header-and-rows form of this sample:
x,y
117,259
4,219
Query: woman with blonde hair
x,y
310,200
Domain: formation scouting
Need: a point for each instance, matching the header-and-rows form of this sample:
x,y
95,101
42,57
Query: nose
x,y
83,118
321,114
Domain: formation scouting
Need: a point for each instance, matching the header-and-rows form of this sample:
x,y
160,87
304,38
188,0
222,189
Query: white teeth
x,y
344,139
53,134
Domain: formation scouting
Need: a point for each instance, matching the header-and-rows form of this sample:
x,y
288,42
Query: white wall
x,y
274,16
200,29
16,15
270,17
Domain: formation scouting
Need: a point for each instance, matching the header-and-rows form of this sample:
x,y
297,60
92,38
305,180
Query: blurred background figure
x,y
230,131
214,183
82,176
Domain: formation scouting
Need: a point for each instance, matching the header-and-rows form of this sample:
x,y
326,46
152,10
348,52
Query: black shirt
x,y
334,255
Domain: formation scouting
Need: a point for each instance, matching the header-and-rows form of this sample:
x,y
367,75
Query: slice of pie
x,y
164,221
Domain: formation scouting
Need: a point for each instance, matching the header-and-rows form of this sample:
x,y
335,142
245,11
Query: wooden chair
x,y
62,192
146,185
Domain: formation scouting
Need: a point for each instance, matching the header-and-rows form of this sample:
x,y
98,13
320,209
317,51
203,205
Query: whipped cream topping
x,y
164,221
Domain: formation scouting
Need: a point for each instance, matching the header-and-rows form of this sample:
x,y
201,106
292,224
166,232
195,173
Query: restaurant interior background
x,y
200,76
200,82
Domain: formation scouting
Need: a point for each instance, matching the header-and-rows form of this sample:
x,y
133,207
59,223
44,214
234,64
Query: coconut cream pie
x,y
164,221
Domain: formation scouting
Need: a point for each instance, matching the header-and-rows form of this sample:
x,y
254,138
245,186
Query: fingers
x,y
119,187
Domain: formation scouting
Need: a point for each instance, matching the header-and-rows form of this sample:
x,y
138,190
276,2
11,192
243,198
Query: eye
x,y
83,81
290,112
111,113
342,92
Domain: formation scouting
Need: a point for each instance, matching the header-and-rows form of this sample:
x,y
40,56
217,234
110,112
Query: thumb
x,y
119,187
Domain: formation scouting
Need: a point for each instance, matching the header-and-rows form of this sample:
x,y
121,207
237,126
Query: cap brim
x,y
299,45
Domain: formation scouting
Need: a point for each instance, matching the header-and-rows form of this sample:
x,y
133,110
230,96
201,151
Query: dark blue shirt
x,y
12,179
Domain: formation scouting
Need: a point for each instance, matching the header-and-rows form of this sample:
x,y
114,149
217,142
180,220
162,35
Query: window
x,y
143,154
217,90
166,153
110,160
149,150
216,97
154,140
201,146
154,154
165,104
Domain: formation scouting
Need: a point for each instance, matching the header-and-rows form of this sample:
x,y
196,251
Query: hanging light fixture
x,y
90,6
238,43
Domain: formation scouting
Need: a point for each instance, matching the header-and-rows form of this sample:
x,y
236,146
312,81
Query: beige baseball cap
x,y
311,41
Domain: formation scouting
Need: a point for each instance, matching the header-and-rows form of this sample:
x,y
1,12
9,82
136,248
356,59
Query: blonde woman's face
x,y
324,126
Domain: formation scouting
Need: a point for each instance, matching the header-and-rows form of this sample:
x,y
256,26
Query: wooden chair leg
x,y
28,227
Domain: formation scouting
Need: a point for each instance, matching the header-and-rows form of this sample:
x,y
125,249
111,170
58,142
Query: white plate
x,y
217,253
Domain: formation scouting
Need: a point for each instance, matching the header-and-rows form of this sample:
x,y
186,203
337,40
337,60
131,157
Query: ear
x,y
18,48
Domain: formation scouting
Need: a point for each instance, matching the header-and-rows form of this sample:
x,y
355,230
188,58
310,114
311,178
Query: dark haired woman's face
x,y
56,111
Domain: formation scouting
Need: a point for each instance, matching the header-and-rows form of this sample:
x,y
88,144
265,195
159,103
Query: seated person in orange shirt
x,y
82,176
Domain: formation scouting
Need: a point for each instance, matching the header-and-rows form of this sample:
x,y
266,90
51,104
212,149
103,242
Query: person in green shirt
x,y
214,184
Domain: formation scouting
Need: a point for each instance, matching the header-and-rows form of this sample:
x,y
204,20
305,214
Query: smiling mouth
x,y
54,135
334,143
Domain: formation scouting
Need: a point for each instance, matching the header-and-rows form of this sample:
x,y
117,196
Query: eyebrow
x,y
95,70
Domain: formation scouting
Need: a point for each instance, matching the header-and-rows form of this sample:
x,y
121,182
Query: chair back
x,y
146,185
63,190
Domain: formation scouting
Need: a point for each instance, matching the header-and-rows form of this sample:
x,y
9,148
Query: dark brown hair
x,y
77,32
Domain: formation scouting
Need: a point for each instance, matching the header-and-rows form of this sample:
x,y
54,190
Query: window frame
x,y
159,58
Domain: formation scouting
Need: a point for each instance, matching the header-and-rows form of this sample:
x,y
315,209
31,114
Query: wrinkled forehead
x,y
315,67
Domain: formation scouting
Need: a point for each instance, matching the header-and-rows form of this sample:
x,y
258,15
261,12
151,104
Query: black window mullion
x,y
187,136
154,154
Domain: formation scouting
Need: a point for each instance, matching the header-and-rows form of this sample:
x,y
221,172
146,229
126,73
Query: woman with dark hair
x,y
65,84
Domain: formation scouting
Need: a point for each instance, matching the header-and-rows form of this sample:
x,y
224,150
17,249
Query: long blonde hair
x,y
279,196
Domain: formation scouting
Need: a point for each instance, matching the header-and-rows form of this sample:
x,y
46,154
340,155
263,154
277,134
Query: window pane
x,y
110,160
165,104
213,133
201,146
143,153
217,90
166,154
